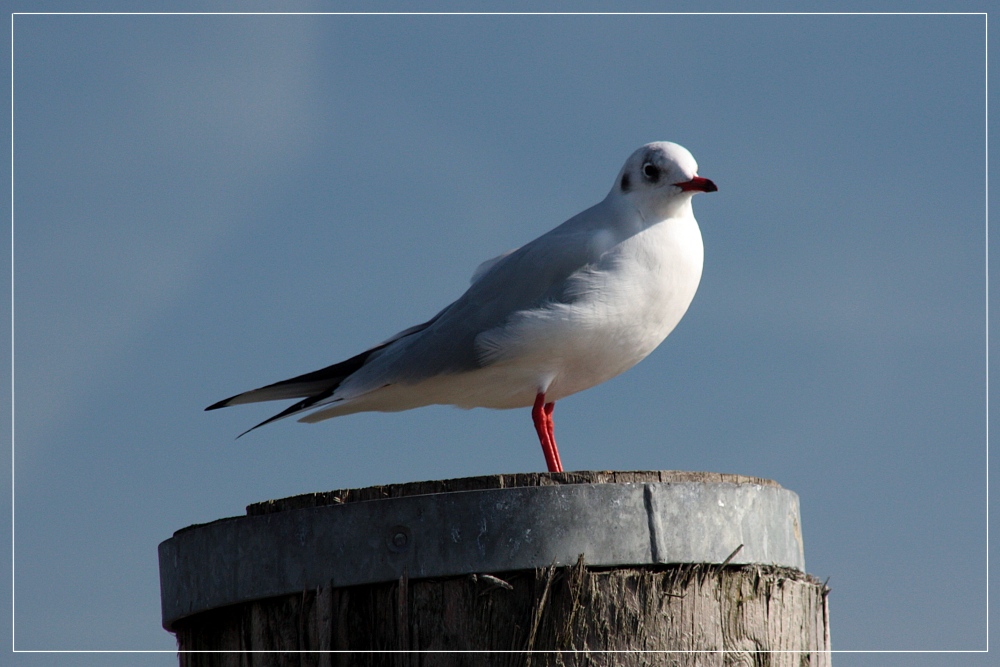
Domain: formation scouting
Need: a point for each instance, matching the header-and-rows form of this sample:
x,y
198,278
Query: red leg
x,y
550,427
541,415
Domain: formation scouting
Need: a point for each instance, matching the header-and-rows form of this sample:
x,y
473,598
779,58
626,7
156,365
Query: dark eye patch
x,y
651,172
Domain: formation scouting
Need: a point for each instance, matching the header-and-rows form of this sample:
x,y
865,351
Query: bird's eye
x,y
651,171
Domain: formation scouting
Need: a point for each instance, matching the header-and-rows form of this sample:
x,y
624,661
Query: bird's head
x,y
659,177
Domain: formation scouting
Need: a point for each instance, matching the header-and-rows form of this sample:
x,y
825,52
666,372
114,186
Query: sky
x,y
206,204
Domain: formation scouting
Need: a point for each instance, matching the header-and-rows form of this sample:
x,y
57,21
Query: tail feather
x,y
301,386
312,387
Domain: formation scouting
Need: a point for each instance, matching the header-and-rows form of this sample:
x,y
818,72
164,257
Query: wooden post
x,y
633,561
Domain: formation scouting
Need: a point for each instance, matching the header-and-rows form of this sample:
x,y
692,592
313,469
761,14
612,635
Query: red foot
x,y
541,415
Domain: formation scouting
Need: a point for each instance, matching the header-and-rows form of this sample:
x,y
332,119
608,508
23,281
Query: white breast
x,y
623,307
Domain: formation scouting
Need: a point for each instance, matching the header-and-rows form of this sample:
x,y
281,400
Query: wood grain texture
x,y
732,614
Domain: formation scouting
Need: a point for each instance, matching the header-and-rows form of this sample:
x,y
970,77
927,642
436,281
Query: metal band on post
x,y
467,532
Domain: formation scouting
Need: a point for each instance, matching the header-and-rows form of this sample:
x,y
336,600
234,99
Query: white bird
x,y
567,311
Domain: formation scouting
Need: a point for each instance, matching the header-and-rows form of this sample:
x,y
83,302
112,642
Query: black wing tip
x,y
266,421
247,431
221,404
304,404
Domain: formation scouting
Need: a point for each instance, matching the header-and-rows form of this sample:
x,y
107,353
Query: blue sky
x,y
205,204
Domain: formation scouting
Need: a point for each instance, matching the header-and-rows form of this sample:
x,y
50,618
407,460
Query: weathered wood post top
x,y
495,524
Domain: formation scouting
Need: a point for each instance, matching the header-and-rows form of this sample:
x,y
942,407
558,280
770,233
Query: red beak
x,y
697,184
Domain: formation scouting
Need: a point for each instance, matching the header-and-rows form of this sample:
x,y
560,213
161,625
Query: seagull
x,y
575,307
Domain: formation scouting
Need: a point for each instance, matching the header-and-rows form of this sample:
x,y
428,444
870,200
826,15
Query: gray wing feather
x,y
525,279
